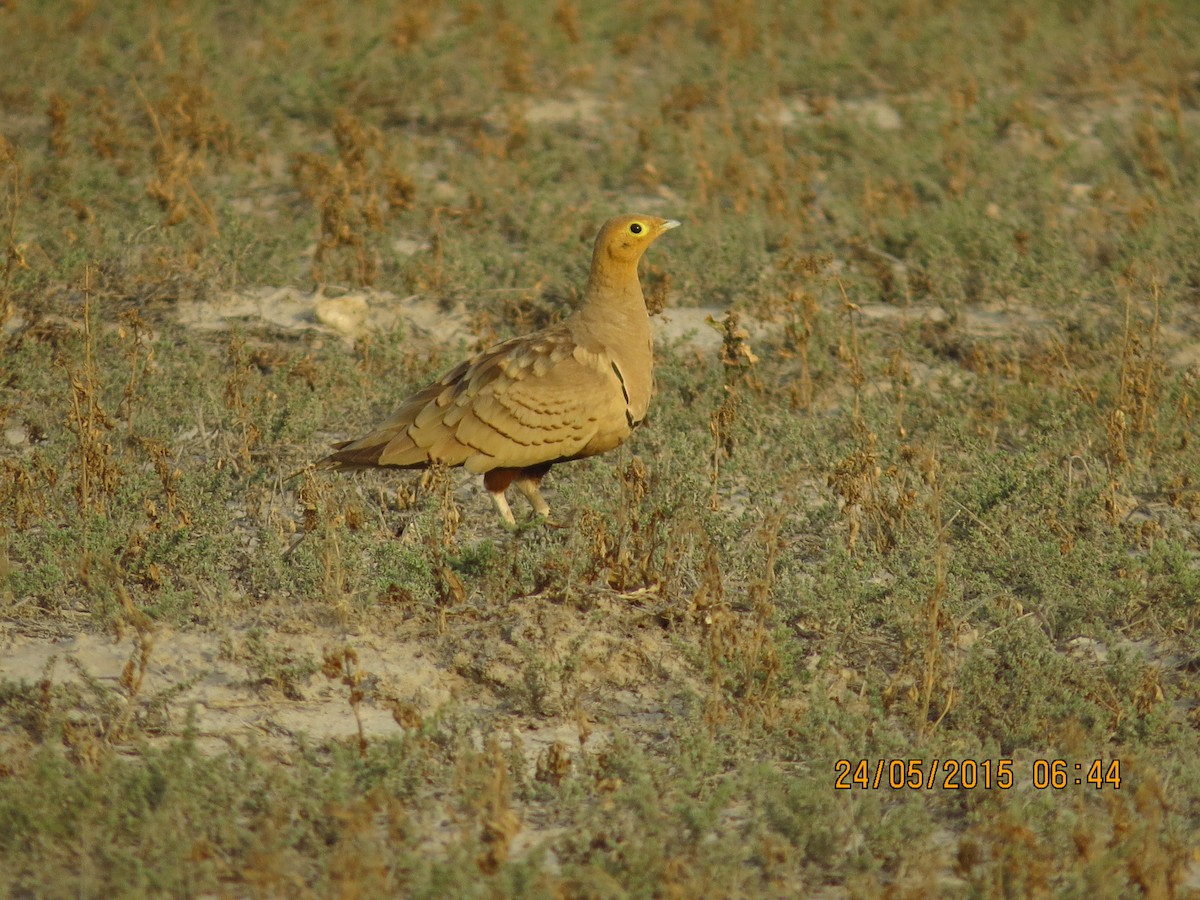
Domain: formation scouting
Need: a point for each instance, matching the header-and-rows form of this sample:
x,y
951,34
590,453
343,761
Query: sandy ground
x,y
402,679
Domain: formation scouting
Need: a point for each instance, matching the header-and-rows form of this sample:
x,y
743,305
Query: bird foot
x,y
503,508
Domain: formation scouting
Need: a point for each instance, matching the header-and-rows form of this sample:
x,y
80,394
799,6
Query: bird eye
x,y
636,228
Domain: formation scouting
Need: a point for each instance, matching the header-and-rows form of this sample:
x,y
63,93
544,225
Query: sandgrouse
x,y
567,392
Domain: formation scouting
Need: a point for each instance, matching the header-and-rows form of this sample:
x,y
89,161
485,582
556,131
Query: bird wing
x,y
529,400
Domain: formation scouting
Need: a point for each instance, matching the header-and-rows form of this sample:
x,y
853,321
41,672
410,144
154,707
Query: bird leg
x,y
503,508
529,487
527,481
497,482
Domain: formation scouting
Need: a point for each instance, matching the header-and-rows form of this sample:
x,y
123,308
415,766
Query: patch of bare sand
x,y
691,326
348,315
227,697
546,670
552,681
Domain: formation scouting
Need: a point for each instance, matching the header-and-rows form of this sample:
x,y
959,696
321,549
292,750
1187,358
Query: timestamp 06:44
x,y
971,774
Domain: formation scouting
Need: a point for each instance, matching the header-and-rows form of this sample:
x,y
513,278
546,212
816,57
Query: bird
x,y
567,392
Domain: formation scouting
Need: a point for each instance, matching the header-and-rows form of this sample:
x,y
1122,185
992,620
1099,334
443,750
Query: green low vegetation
x,y
929,492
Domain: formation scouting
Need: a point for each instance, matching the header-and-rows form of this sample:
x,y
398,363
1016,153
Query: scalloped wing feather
x,y
527,401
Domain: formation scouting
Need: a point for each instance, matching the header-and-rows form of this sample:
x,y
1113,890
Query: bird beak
x,y
668,225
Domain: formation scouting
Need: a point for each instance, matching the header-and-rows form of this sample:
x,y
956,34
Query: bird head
x,y
625,238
